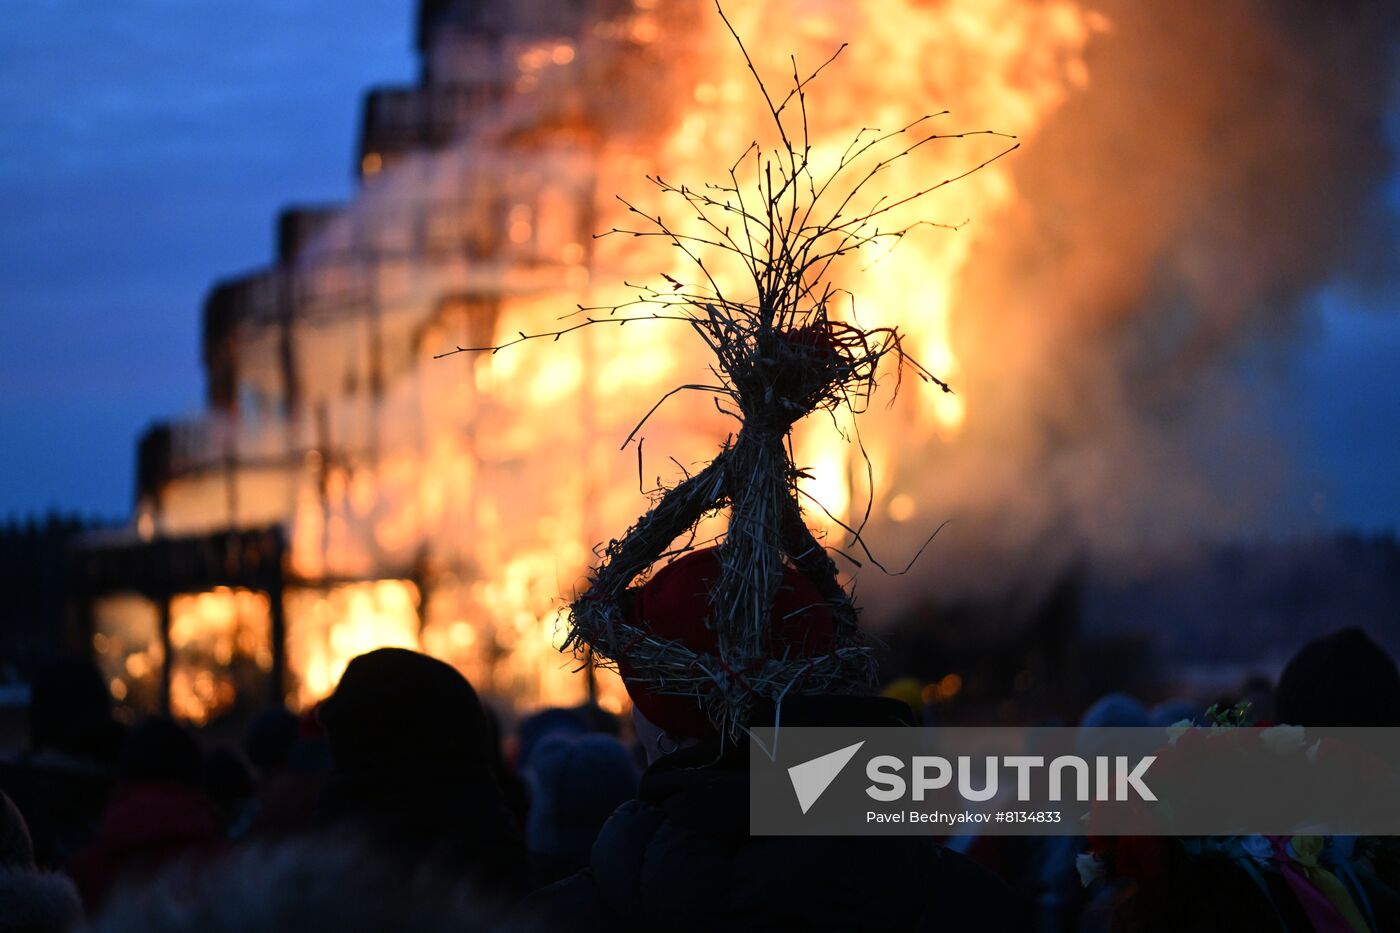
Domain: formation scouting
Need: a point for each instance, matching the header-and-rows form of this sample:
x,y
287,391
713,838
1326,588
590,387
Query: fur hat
x,y
576,783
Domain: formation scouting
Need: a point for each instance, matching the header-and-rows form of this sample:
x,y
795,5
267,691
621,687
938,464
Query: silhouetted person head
x,y
1110,711
1170,712
269,739
1342,679
1115,710
229,786
157,814
398,709
538,726
413,768
159,749
70,710
576,782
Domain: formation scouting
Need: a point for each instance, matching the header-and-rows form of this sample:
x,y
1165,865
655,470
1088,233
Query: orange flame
x,y
486,479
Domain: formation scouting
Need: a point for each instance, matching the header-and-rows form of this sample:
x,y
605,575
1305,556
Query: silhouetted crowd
x,y
398,804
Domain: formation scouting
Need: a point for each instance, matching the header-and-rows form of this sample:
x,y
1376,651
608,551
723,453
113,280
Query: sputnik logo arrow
x,y
811,778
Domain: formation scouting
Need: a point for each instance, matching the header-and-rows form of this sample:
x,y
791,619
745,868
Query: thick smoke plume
x,y
1176,214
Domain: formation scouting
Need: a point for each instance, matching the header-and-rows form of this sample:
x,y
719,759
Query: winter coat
x,y
450,821
680,857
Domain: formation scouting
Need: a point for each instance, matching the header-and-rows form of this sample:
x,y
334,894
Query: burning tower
x,y
1182,189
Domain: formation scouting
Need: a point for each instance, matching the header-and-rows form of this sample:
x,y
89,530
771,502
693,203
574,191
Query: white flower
x,y
1283,740
1091,868
1177,729
1258,847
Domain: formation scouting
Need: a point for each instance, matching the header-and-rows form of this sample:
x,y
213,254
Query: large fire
x,y
458,499
452,504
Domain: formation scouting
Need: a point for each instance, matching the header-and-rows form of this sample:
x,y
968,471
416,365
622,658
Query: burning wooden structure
x,y
293,524
343,491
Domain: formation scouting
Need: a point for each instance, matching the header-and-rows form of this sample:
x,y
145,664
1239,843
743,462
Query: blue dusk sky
x,y
145,148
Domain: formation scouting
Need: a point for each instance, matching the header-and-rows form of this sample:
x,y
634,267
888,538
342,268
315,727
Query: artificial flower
x,y
1091,868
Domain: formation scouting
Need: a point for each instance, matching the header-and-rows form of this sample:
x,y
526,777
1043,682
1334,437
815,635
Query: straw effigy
x,y
779,356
